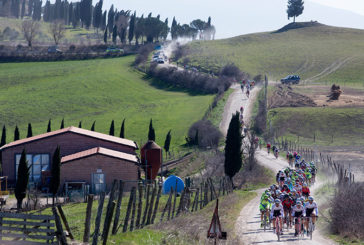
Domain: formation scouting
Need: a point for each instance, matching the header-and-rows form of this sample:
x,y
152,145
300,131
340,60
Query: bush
x,y
208,134
347,216
143,54
72,48
196,81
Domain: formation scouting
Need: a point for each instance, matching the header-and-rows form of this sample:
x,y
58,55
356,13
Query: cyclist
x,y
241,110
268,147
311,210
277,212
297,212
305,190
289,184
286,189
282,178
308,174
276,152
287,207
264,207
290,158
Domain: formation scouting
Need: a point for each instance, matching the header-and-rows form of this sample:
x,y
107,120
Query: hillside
x,y
101,90
316,52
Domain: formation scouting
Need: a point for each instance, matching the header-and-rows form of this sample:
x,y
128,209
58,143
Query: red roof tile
x,y
102,151
76,130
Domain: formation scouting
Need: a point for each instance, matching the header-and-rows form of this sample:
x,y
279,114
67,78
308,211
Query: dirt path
x,y
235,101
247,226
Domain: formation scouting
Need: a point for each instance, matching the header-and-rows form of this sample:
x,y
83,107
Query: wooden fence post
x,y
133,212
86,234
108,220
146,206
60,235
98,219
140,205
168,204
118,207
151,205
174,200
111,199
181,201
126,220
65,222
157,202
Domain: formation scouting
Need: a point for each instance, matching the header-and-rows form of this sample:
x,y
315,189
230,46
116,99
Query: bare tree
x,y
57,30
30,30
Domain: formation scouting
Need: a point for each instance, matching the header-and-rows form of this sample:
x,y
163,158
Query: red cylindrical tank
x,y
151,155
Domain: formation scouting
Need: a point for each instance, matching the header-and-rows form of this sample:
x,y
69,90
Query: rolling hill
x,y
101,90
317,52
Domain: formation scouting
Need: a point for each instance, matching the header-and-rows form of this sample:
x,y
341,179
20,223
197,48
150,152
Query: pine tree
x,y
49,126
16,133
97,20
47,12
122,130
103,22
30,131
80,124
22,9
22,180
62,124
131,27
55,171
105,36
93,126
3,137
233,154
151,133
114,34
112,128
71,16
167,142
295,8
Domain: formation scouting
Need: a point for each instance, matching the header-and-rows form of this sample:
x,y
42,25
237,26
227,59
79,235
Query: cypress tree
x,y
167,142
49,126
195,141
80,124
22,9
233,154
111,18
151,133
30,131
56,172
295,8
131,27
93,126
16,133
103,22
22,180
122,129
105,36
112,128
62,124
114,34
3,137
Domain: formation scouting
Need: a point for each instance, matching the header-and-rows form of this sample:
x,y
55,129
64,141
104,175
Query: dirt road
x,y
235,101
247,226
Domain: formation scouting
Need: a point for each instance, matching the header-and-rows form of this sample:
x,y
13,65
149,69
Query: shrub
x,y
208,134
347,217
143,54
72,48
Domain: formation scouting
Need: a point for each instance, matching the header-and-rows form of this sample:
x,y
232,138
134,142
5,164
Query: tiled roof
x,y
102,151
76,130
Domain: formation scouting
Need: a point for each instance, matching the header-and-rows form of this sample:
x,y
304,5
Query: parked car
x,y
114,50
291,79
160,61
54,50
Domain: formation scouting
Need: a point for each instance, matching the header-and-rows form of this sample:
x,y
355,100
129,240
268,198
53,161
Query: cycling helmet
x,y
288,180
299,203
277,201
310,198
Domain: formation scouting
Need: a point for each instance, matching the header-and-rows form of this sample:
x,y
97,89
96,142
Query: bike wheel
x,y
310,228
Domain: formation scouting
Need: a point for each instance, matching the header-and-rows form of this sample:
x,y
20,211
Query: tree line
x,y
117,25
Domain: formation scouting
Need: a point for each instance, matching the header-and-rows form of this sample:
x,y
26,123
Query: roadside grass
x,y
217,113
98,90
329,126
305,51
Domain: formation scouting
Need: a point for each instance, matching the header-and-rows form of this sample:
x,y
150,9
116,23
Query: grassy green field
x,y
305,51
101,90
330,126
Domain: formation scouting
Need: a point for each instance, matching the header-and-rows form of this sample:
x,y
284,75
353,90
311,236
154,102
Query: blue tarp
x,y
171,182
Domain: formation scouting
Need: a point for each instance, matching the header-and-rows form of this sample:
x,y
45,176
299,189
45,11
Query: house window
x,y
37,163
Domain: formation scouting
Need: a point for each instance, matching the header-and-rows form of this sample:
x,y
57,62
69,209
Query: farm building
x,y
88,157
